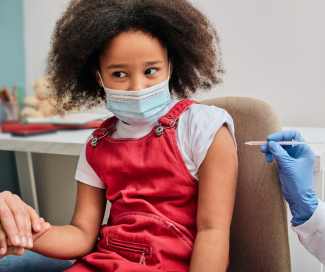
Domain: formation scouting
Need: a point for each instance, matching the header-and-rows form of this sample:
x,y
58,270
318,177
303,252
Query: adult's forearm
x,y
312,233
210,252
64,242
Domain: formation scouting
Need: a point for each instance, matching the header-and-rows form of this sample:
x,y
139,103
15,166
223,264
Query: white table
x,y
71,143
68,142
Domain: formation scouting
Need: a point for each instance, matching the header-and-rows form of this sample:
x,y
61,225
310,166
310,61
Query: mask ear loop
x,y
101,80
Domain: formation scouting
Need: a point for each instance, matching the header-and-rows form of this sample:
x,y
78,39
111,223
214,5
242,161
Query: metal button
x,y
94,142
159,131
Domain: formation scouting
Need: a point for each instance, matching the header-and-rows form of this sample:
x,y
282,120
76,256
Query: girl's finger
x,y
19,211
13,250
35,219
3,241
17,251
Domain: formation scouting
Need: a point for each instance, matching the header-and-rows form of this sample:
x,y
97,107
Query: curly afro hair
x,y
87,26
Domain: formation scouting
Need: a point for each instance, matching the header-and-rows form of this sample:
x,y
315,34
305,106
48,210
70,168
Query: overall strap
x,y
105,127
176,111
108,122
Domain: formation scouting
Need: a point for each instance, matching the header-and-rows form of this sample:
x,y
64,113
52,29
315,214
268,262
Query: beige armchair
x,y
259,232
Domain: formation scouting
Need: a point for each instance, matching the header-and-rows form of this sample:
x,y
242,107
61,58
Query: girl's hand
x,y
6,247
18,220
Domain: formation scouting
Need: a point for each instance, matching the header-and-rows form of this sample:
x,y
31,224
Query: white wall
x,y
40,18
273,50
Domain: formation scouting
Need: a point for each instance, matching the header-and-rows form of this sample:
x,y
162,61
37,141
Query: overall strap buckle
x,y
170,119
160,129
103,130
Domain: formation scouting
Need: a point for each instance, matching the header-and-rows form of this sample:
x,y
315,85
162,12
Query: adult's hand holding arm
x,y
79,238
16,250
296,174
17,221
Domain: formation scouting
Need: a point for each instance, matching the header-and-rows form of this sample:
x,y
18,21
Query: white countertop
x,y
70,142
64,142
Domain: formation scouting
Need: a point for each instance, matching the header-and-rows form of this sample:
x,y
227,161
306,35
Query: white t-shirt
x,y
194,134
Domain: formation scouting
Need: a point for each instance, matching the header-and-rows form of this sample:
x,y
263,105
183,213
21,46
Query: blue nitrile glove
x,y
296,173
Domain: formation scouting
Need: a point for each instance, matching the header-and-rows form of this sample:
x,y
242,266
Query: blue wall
x,y
12,48
12,70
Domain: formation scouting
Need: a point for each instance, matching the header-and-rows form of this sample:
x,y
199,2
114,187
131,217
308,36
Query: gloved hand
x,y
296,173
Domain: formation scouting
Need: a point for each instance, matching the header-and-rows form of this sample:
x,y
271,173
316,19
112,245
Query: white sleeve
x,y
85,173
206,122
312,233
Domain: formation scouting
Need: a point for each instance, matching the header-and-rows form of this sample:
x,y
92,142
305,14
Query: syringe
x,y
293,143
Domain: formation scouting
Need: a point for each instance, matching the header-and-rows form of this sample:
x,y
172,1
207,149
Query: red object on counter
x,y
16,127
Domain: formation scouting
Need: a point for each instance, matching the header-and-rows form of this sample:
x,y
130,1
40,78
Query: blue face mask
x,y
138,107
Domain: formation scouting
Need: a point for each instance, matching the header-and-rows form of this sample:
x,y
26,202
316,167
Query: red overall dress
x,y
152,223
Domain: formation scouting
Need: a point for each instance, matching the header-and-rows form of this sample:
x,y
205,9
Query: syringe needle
x,y
293,143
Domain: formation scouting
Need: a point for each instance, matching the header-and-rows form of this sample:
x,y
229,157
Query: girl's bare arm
x,y
77,239
216,197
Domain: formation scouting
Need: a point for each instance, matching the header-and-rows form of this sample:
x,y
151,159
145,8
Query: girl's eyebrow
x,y
153,62
117,66
112,66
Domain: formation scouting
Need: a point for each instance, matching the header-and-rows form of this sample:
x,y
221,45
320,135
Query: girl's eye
x,y
150,71
119,74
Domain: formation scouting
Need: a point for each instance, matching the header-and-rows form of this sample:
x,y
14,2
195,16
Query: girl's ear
x,y
94,71
171,66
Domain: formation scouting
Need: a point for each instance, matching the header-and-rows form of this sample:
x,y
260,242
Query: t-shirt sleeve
x,y
85,173
206,121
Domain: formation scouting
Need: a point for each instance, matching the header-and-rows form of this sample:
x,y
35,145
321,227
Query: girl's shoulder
x,y
200,110
197,127
203,121
201,113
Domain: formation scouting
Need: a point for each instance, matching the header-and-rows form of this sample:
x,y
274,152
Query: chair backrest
x,y
259,230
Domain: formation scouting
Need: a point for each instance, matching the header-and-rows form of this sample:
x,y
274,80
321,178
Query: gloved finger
x,y
286,136
269,157
277,151
264,149
3,241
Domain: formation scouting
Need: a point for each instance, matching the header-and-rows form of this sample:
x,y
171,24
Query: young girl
x,y
168,166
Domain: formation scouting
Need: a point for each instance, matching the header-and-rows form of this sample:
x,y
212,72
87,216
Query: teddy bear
x,y
39,105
